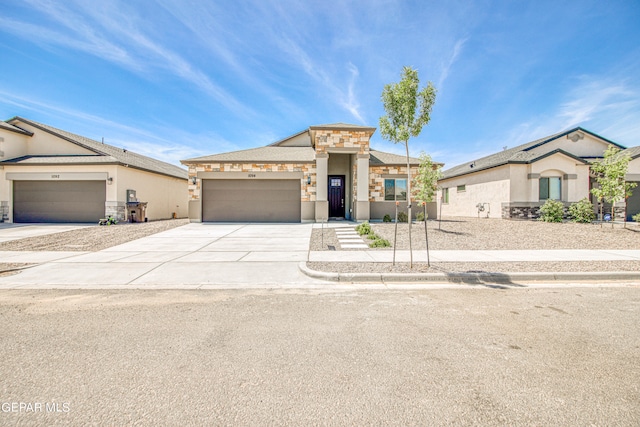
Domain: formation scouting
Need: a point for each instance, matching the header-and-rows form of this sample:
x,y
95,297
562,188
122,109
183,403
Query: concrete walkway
x,y
192,256
260,255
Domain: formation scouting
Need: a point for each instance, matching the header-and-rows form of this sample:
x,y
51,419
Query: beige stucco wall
x,y
491,186
633,172
587,147
165,195
12,144
43,143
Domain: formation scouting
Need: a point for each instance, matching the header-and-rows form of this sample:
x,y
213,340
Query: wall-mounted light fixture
x,y
110,180
308,179
193,180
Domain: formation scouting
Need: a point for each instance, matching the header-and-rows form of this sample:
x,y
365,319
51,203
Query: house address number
x,y
55,176
252,175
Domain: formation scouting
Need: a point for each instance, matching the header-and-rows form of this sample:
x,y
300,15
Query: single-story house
x,y
633,175
50,175
515,182
324,172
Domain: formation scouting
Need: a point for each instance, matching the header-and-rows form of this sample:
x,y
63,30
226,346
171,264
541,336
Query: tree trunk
x,y
406,144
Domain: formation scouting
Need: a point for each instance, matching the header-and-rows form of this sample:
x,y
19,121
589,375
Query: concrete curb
x,y
470,278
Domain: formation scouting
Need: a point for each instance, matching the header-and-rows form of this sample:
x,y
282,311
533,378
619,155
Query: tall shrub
x,y
552,211
582,211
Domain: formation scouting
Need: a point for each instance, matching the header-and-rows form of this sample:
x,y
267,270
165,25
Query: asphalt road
x,y
563,357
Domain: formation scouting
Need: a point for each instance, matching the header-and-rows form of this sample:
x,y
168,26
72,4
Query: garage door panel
x,y
251,200
58,201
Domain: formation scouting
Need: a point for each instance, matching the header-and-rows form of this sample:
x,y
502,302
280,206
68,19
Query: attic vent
x,y
472,165
575,136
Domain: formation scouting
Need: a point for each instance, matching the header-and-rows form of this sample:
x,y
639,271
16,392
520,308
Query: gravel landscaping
x,y
450,234
489,234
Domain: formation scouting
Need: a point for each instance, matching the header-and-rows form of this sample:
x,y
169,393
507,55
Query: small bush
x,y
372,236
380,243
364,228
582,211
420,216
402,216
636,217
552,211
386,218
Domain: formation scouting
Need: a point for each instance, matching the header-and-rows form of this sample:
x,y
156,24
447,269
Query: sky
x,y
177,79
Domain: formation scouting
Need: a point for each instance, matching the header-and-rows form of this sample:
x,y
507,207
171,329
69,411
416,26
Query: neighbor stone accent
x,y
4,211
118,210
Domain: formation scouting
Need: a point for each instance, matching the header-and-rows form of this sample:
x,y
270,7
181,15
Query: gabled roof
x,y
12,128
341,126
520,154
633,152
379,158
268,154
61,160
112,154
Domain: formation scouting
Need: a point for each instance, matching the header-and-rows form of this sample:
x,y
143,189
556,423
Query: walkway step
x,y
350,239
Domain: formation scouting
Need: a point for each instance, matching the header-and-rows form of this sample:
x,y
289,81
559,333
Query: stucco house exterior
x,y
50,175
633,175
324,172
515,182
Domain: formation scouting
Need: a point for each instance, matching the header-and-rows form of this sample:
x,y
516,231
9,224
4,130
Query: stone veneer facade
x,y
307,192
325,140
377,176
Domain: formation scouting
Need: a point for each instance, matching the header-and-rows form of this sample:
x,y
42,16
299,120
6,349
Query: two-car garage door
x,y
58,201
251,200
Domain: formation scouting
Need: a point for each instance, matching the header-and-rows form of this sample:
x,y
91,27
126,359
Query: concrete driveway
x,y
193,256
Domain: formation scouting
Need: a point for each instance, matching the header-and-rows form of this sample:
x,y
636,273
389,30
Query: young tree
x,y
408,111
426,180
609,174
425,186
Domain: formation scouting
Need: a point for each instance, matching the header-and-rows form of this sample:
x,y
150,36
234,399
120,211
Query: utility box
x,y
131,196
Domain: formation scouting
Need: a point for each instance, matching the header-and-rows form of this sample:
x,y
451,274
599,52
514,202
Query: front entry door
x,y
336,196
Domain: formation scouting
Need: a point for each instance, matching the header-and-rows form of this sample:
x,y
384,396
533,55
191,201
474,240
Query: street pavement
x,y
426,357
205,255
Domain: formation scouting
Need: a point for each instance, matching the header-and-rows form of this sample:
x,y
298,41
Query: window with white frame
x,y
395,189
550,188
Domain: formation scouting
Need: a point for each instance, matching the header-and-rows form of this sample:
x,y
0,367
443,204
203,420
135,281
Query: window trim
x,y
395,189
445,196
461,188
548,188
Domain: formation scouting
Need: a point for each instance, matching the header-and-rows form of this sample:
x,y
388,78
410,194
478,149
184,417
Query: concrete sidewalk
x,y
263,255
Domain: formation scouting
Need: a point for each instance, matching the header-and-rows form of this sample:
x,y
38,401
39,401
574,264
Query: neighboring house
x,y
515,182
324,172
50,175
633,175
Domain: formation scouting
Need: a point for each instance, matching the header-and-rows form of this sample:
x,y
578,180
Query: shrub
x,y
380,243
386,218
636,217
372,236
582,211
402,217
364,228
420,216
552,211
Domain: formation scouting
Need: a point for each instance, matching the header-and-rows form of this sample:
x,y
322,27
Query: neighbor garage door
x,y
251,200
633,203
58,201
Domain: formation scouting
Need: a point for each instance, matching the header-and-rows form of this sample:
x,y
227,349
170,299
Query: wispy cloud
x,y
457,49
117,37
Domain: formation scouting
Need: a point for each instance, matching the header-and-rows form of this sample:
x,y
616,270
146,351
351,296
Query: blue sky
x,y
176,79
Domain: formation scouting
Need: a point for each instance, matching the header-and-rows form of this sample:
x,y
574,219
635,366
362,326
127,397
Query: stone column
x,y
362,190
322,178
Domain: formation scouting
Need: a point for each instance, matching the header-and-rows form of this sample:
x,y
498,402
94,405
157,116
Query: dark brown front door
x,y
336,196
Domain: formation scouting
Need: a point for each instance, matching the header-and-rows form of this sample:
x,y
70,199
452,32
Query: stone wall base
x,y
118,210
